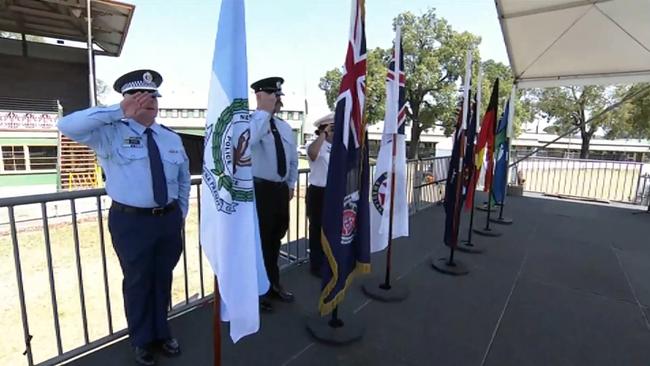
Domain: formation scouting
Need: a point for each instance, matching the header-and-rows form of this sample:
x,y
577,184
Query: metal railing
x,y
65,290
600,180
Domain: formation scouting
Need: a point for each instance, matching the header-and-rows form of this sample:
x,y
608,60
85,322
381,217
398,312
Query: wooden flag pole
x,y
216,329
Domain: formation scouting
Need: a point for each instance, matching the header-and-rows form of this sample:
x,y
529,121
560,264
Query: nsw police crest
x,y
228,173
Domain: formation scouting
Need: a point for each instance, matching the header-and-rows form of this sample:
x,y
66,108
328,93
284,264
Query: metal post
x,y
50,272
217,324
21,291
91,60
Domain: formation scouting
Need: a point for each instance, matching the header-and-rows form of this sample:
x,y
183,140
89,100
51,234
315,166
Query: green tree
x,y
375,85
572,107
525,107
632,119
434,61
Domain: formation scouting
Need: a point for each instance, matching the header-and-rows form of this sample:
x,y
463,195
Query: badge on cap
x,y
147,77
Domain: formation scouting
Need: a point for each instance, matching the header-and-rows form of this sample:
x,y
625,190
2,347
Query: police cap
x,y
269,85
139,80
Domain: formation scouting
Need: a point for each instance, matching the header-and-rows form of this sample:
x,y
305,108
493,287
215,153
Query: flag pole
x,y
466,245
386,285
487,231
385,291
447,265
216,329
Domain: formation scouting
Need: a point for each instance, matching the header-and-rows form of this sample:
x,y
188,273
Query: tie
x,y
157,172
279,150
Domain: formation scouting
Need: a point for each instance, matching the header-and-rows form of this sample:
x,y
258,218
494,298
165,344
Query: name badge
x,y
133,141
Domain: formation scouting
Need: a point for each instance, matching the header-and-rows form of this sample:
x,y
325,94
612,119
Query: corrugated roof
x,y
66,19
30,105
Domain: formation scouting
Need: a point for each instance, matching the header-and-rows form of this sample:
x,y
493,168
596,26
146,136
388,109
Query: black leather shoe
x,y
170,347
280,293
265,305
144,357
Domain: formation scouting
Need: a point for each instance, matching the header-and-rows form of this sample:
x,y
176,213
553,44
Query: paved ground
x,y
567,284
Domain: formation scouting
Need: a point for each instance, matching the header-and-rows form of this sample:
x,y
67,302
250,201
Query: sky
x,y
298,40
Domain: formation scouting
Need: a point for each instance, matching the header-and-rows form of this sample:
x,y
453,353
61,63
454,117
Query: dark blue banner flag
x,y
453,188
501,149
346,215
469,162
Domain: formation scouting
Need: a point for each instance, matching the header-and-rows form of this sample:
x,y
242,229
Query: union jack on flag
x,y
390,77
353,84
346,215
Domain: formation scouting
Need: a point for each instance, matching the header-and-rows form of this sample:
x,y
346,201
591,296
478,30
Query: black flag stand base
x,y
449,265
377,289
468,247
487,232
502,221
335,331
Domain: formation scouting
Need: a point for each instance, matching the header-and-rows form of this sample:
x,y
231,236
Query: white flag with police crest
x,y
229,229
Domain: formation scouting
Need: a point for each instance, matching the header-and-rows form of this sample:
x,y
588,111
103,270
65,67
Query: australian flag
x,y
346,216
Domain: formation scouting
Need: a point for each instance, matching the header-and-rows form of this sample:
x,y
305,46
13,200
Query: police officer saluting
x,y
275,171
148,179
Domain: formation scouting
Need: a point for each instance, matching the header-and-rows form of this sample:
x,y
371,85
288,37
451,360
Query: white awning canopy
x,y
576,42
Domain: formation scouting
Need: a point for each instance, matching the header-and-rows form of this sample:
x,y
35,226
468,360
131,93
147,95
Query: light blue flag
x,y
229,229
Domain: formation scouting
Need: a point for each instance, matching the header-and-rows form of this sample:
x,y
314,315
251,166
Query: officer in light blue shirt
x,y
275,172
148,179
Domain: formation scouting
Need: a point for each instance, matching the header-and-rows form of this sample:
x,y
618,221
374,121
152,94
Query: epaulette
x,y
168,129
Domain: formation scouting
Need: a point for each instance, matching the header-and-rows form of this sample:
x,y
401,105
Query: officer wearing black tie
x,y
275,172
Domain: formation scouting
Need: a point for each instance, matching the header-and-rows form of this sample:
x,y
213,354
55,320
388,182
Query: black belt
x,y
151,211
269,182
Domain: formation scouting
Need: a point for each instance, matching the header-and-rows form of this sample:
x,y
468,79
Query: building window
x,y
42,157
202,113
13,158
163,113
196,113
184,113
175,113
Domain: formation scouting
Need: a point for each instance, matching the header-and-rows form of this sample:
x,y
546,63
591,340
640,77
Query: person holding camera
x,y
318,152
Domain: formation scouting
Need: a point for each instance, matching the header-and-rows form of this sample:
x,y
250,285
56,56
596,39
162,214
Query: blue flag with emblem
x,y
346,216
230,235
502,150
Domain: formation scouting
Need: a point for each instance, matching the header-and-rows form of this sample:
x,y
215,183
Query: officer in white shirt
x,y
318,152
275,172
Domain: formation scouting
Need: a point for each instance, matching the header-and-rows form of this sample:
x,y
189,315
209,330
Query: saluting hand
x,y
133,103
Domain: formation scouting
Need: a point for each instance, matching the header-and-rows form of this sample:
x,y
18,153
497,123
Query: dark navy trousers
x,y
148,248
